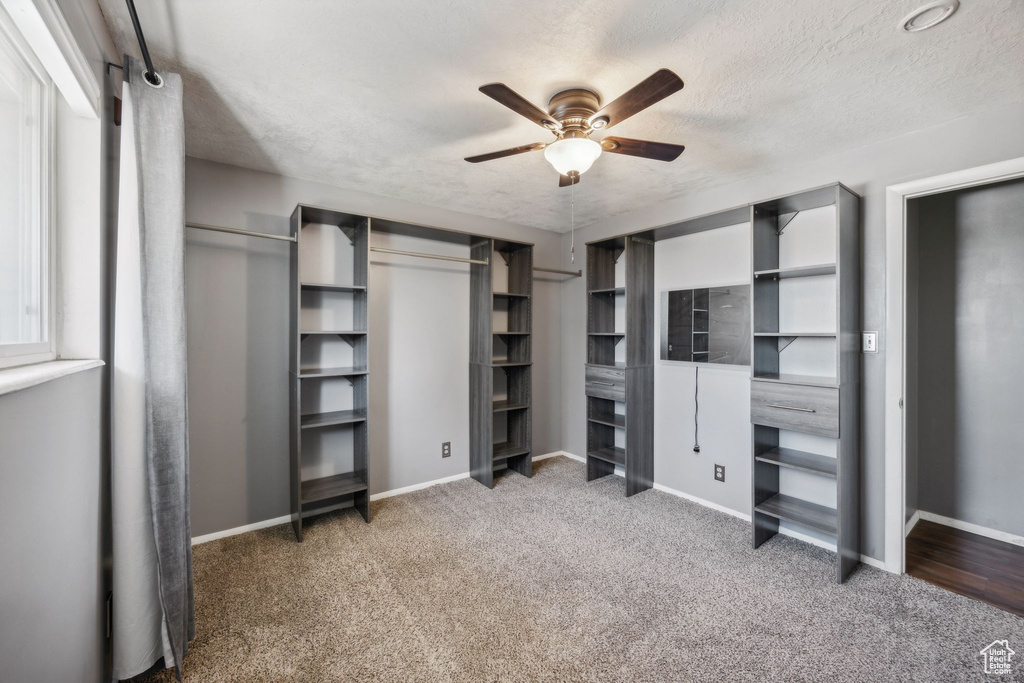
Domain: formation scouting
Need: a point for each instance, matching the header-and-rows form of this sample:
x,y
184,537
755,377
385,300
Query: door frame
x,y
896,197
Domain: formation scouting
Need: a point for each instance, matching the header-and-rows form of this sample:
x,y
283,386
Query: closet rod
x,y
574,273
236,231
419,254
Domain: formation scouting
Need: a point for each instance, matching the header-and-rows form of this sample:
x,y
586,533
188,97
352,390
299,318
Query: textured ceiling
x,y
381,95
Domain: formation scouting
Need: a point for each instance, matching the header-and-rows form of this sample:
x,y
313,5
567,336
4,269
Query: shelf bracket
x,y
504,255
784,343
350,233
784,220
618,253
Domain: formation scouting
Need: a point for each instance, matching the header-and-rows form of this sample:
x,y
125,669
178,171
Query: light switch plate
x,y
869,342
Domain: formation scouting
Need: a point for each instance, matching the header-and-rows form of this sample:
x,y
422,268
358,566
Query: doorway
x,y
958,520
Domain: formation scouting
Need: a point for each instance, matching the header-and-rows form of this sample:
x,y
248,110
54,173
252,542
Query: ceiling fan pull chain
x,y
572,221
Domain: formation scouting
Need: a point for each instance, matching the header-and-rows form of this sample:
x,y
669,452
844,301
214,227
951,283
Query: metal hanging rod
x,y
574,273
151,75
236,231
419,254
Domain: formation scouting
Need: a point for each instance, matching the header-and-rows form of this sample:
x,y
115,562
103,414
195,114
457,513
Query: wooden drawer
x,y
605,382
813,410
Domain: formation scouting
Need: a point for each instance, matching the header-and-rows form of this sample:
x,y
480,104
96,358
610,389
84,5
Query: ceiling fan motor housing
x,y
573,108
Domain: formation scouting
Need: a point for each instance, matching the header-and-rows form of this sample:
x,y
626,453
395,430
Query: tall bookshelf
x,y
329,362
805,381
619,371
501,320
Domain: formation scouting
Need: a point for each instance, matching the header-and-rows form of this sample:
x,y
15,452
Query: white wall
x,y
718,257
237,298
963,143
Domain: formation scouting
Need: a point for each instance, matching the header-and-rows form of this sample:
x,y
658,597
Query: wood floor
x,y
968,564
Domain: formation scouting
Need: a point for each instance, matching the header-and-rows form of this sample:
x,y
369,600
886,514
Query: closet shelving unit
x,y
620,360
805,379
339,251
501,321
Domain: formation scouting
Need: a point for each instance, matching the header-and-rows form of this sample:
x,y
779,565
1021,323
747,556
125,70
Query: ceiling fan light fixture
x,y
570,155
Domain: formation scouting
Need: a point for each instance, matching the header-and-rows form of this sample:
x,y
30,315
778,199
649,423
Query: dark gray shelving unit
x,y
308,493
500,369
787,400
620,362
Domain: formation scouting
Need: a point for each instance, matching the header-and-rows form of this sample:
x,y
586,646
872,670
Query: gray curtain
x,y
153,610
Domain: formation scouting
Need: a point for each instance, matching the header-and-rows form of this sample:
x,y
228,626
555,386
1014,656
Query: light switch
x,y
870,342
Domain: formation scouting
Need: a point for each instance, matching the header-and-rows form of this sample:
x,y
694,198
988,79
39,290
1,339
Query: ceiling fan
x,y
574,114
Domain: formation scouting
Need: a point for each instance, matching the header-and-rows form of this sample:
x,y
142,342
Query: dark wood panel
x,y
480,305
639,302
332,487
849,371
764,485
294,361
312,373
811,515
481,419
324,287
965,563
639,429
336,417
813,410
791,458
610,454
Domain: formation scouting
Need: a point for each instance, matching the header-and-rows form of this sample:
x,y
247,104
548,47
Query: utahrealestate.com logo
x,y
997,657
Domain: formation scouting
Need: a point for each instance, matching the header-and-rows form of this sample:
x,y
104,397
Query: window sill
x,y
16,379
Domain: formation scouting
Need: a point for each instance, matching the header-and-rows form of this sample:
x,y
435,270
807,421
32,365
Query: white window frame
x,y
36,352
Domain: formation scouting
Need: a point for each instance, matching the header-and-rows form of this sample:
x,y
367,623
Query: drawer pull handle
x,y
607,384
802,410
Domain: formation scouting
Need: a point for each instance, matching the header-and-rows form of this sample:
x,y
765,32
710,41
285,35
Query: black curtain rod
x,y
151,75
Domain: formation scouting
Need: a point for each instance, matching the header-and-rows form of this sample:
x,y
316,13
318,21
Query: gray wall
x,y
52,585
984,138
237,344
54,440
971,331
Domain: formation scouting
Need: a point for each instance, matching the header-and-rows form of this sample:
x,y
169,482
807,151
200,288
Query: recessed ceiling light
x,y
932,14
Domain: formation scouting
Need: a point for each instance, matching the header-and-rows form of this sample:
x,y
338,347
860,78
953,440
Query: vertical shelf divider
x,y
308,494
783,404
630,381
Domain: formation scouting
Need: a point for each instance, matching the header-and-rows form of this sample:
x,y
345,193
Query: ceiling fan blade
x,y
507,152
661,151
566,181
654,88
505,95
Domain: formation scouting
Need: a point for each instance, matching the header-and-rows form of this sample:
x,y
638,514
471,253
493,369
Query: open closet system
x,y
330,349
805,375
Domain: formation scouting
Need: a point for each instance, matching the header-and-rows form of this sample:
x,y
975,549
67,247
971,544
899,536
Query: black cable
x,y
696,408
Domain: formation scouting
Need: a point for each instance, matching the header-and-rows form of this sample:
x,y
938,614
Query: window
x,y
26,135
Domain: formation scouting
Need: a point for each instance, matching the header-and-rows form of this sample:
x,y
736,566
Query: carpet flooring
x,y
552,578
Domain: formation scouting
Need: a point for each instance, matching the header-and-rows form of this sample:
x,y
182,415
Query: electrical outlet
x,y
446,449
869,342
719,472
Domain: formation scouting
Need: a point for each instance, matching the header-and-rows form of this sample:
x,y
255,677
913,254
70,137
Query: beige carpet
x,y
551,578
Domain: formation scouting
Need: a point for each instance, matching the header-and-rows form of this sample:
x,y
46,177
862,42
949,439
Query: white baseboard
x,y
417,487
552,454
256,526
206,538
870,561
912,522
972,528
